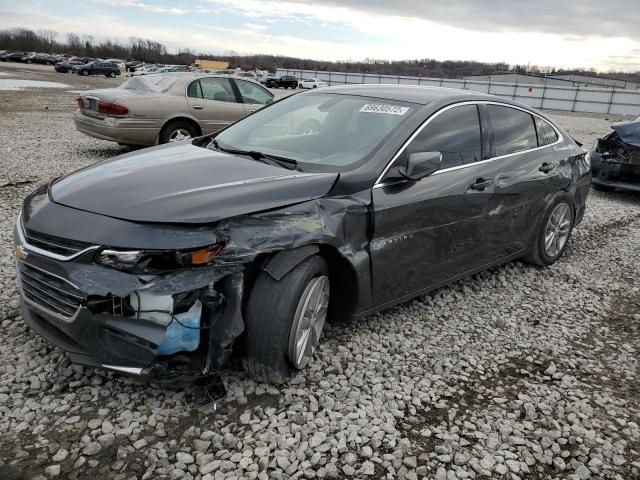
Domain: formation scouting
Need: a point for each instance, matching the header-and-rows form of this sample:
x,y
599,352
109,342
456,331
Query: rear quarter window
x,y
513,130
546,133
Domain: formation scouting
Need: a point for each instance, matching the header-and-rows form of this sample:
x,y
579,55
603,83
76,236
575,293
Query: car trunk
x,y
90,101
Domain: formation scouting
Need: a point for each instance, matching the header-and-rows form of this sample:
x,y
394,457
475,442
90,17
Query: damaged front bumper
x,y
615,164
87,311
609,173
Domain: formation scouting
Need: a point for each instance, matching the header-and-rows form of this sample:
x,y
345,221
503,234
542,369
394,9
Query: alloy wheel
x,y
179,134
308,321
556,232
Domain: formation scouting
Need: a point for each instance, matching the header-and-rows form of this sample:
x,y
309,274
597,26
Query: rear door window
x,y
194,90
455,133
218,89
513,130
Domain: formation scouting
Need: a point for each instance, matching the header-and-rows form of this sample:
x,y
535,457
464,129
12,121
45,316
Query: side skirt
x,y
410,296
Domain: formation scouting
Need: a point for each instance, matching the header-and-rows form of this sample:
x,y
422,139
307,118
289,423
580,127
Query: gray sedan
x,y
169,107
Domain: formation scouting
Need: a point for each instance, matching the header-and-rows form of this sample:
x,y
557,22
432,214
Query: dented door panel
x,y
431,230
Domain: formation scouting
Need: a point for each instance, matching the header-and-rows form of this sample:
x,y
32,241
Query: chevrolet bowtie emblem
x,y
21,253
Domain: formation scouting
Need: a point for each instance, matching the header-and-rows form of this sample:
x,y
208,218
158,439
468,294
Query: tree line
x,y
46,41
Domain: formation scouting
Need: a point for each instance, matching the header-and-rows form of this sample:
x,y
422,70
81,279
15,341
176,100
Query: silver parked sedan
x,y
168,107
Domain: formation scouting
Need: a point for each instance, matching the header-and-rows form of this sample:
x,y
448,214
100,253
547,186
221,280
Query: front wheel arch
x,y
345,283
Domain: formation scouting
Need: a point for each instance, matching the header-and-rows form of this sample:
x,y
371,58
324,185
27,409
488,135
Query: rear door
x,y
214,102
429,231
528,172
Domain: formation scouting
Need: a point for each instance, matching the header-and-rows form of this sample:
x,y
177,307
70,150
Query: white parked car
x,y
312,83
147,69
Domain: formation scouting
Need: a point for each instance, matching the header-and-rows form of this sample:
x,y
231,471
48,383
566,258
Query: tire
x,y
169,131
540,254
112,74
315,86
85,73
266,352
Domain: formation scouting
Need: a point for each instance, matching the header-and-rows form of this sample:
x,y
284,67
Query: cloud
x,y
612,18
255,26
328,31
144,6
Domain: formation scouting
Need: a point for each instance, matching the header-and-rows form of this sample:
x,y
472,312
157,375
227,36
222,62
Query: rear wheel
x,y
553,233
85,72
284,321
177,130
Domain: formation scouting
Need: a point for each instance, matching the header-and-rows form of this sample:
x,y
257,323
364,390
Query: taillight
x,y
80,101
112,109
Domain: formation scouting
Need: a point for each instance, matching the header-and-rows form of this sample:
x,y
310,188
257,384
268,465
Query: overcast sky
x,y
572,33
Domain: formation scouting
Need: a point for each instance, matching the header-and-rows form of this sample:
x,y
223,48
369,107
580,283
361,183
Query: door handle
x,y
546,167
481,184
197,107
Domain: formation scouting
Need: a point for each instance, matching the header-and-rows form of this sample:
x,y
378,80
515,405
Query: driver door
x,y
213,101
429,231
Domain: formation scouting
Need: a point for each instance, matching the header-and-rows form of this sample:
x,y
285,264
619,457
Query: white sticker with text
x,y
382,108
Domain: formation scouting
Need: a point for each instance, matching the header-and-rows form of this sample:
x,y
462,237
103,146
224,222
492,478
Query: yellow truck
x,y
209,64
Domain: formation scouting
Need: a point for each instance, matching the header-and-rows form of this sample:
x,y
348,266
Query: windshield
x,y
156,83
321,132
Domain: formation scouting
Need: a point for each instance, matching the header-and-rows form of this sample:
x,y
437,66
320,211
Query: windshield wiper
x,y
274,160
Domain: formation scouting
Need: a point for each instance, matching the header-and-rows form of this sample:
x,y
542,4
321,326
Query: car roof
x,y
194,75
419,94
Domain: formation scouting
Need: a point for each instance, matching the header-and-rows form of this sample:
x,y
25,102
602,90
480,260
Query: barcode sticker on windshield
x,y
382,108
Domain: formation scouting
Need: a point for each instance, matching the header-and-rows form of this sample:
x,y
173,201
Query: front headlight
x,y
158,261
119,259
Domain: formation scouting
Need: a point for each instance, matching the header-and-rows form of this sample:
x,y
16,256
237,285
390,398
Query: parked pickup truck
x,y
286,81
107,69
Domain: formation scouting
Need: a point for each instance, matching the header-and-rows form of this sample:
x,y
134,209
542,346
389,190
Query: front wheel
x,y
284,321
553,233
112,74
85,72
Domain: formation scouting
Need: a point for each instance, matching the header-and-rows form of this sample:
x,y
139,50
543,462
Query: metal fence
x,y
547,97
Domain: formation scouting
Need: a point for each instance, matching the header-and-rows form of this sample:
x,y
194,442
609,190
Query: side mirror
x,y
421,164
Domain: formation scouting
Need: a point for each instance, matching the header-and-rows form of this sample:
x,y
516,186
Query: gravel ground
x,y
516,373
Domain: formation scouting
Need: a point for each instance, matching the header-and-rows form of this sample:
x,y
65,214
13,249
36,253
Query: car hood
x,y
629,132
183,183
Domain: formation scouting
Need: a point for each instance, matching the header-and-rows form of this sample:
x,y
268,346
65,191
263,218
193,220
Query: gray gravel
x,y
516,373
